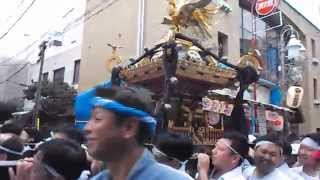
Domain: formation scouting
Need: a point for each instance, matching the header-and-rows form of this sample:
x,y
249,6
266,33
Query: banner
x,y
221,107
275,120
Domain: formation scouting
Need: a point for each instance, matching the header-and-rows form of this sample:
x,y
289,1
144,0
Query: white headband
x,y
263,143
157,152
310,143
268,142
231,149
10,151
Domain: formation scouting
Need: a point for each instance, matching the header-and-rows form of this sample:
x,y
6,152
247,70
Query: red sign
x,y
276,120
265,7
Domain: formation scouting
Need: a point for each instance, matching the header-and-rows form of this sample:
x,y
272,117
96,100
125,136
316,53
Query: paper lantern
x,y
294,96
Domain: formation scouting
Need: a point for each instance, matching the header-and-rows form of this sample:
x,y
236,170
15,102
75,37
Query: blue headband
x,y
82,106
125,111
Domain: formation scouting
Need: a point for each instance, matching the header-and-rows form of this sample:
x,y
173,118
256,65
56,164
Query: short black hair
x,y
175,145
132,96
14,143
72,133
65,156
33,133
239,142
286,146
11,128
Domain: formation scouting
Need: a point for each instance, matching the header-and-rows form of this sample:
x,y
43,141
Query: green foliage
x,y
56,102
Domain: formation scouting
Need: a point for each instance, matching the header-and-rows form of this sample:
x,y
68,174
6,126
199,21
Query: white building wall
x,y
59,56
62,59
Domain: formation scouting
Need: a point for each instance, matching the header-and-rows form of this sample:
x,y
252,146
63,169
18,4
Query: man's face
x,y
222,157
267,157
304,156
103,135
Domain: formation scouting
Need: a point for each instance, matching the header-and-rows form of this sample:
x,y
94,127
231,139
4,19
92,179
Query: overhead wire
x,y
19,18
17,83
87,16
13,74
7,19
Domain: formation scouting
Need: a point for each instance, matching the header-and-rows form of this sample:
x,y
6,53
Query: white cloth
x,y
299,170
84,175
235,173
274,175
284,168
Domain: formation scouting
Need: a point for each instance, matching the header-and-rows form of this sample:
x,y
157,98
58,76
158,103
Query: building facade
x,y
13,81
62,57
138,25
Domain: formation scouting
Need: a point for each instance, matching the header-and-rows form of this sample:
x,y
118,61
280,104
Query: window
x,y
58,75
223,44
313,47
266,42
315,89
45,76
76,71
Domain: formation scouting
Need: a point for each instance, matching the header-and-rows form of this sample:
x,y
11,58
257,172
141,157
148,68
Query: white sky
x,y
47,15
44,15
309,8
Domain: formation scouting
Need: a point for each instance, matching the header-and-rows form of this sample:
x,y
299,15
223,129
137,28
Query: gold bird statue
x,y
190,14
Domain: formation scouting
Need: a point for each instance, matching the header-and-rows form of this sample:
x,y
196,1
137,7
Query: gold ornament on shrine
x,y
195,15
251,60
115,58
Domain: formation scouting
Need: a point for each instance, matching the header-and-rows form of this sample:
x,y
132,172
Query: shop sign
x,y
275,120
221,107
265,7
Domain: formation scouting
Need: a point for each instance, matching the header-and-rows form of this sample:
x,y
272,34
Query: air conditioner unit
x,y
316,102
315,61
56,43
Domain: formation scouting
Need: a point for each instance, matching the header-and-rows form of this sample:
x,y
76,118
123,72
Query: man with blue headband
x,y
120,123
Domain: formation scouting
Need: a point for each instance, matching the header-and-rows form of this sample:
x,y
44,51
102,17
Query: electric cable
x,y
19,18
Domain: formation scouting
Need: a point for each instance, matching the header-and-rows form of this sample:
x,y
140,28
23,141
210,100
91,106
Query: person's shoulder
x,y
168,173
100,176
277,174
248,171
299,168
233,174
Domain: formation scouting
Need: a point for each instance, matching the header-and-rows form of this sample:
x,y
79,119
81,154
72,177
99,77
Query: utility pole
x,y
43,47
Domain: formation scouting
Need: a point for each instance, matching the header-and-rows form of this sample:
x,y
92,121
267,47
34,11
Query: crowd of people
x,y
120,142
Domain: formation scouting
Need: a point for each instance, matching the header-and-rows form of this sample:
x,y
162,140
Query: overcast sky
x,y
309,8
43,16
47,15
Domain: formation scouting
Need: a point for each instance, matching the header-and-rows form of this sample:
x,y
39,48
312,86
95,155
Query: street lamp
x,y
294,47
293,66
